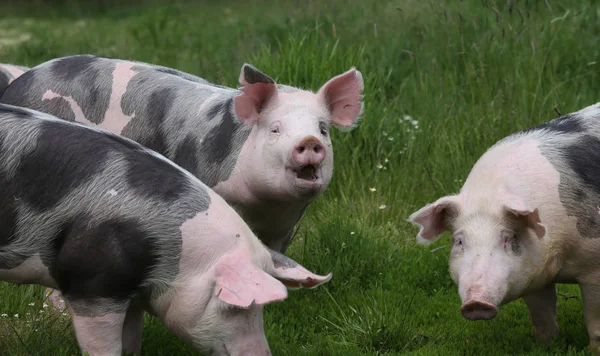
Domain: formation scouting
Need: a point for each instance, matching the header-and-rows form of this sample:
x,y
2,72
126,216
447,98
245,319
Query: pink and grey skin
x,y
265,148
121,230
8,73
527,217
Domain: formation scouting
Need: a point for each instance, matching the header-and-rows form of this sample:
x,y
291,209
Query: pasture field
x,y
444,80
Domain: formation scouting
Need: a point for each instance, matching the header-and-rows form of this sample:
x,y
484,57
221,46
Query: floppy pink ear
x,y
257,89
239,282
431,218
516,206
342,95
293,275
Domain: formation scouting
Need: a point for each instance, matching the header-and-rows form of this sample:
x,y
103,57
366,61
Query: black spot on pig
x,y
219,141
580,195
566,124
72,66
155,178
584,159
59,107
110,259
8,207
179,74
45,177
218,109
159,106
186,155
89,85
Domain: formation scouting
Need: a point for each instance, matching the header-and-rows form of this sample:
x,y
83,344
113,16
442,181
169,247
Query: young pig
x,y
8,73
526,218
119,229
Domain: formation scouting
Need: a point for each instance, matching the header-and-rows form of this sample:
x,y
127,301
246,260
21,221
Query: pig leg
x,y
591,313
281,245
542,310
98,332
132,329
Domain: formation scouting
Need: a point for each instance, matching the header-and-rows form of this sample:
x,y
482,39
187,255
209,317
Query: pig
x,y
121,230
8,73
265,148
527,218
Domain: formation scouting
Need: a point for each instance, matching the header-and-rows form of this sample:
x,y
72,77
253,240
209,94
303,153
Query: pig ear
x,y
239,282
431,219
516,206
342,95
257,89
293,275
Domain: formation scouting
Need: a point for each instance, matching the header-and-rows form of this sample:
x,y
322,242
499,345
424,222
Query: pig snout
x,y
309,151
478,309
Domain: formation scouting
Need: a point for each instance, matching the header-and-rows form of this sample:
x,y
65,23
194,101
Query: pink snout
x,y
309,151
478,310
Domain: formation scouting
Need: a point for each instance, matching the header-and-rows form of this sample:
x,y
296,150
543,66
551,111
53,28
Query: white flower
x,y
391,138
351,233
44,305
4,315
386,160
16,315
31,304
379,165
382,206
373,189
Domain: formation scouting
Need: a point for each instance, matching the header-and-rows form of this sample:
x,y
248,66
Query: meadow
x,y
444,80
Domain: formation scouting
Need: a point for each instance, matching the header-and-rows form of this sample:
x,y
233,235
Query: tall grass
x,y
444,80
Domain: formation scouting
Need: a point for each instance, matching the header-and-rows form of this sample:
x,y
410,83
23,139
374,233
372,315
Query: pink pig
x,y
526,218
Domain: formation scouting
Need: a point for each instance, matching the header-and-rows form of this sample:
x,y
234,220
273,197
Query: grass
x,y
444,80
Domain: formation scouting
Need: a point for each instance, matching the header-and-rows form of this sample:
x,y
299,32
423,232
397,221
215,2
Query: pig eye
x,y
510,239
458,240
275,127
323,129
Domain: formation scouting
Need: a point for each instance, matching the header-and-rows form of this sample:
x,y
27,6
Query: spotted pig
x,y
526,218
121,230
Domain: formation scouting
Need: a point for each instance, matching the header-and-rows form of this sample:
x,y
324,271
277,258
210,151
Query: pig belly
x,y
31,271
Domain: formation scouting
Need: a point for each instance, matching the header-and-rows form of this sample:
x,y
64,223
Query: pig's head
x,y
291,151
495,249
231,322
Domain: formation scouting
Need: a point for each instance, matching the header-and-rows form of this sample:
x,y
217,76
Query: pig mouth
x,y
478,310
307,173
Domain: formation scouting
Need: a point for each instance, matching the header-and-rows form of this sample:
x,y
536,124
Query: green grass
x,y
468,72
